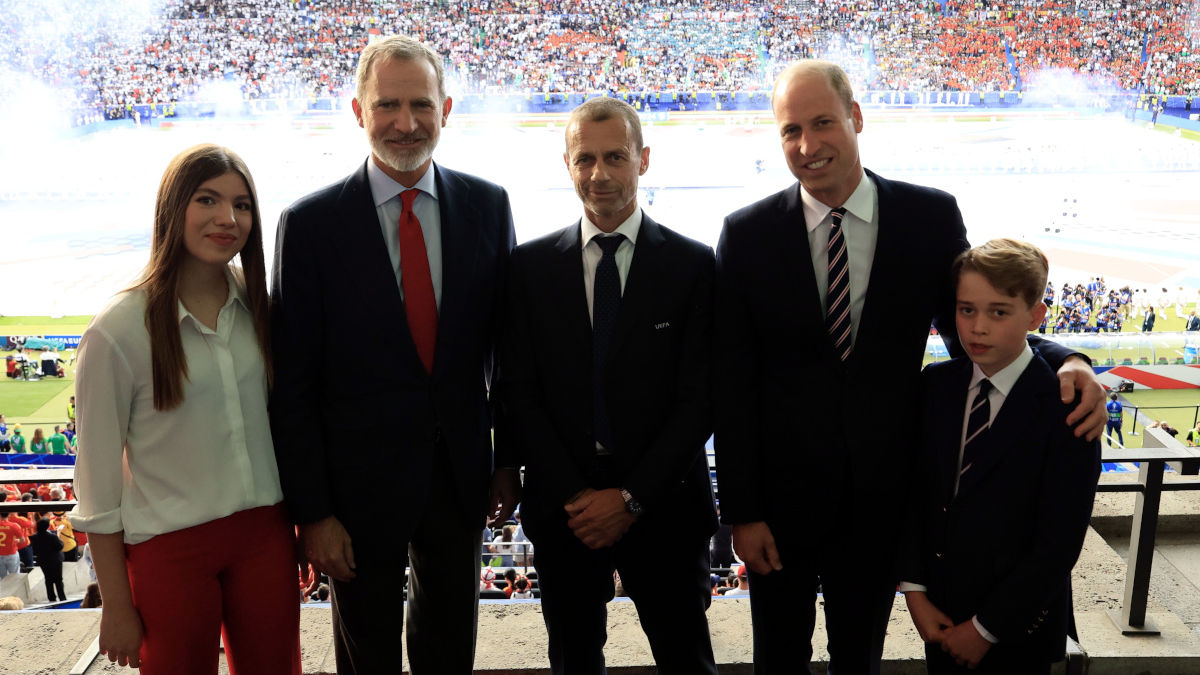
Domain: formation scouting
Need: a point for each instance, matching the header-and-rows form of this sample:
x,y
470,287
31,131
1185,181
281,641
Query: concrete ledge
x,y
512,638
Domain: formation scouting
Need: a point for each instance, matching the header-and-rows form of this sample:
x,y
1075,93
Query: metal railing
x,y
1158,450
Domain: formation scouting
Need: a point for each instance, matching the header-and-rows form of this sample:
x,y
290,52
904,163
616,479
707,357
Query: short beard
x,y
404,161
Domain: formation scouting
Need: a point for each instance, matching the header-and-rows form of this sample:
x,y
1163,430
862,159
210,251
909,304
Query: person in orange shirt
x,y
24,553
12,537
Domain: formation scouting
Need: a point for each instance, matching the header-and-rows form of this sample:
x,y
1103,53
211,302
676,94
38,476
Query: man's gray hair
x,y
401,48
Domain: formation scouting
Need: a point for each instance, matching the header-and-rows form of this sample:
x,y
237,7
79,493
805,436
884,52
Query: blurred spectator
x,y
503,546
47,548
17,441
58,443
743,584
11,603
522,589
37,444
12,538
91,597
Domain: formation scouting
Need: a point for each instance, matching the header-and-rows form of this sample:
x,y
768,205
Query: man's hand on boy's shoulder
x,y
930,621
1089,416
965,644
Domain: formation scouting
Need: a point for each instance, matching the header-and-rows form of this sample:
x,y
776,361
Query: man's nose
x,y
405,122
807,144
600,171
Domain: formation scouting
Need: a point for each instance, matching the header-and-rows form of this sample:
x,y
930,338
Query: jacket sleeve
x,y
737,421
298,345
521,395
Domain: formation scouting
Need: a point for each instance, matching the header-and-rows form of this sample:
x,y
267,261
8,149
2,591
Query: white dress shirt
x,y
860,229
148,472
592,251
386,194
1002,383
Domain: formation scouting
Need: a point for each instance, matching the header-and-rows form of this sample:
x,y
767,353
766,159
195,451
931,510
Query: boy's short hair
x,y
1015,268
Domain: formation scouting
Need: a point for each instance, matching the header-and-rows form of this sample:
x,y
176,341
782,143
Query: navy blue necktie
x,y
977,425
606,303
837,297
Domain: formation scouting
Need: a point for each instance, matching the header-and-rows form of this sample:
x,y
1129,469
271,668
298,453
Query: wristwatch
x,y
631,505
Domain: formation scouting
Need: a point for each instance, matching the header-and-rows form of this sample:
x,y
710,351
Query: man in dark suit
x,y
411,258
605,379
796,361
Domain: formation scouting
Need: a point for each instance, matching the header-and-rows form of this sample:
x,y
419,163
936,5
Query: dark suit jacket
x,y
1002,549
792,449
333,290
658,377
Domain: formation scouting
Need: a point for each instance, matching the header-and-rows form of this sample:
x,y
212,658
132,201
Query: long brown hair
x,y
160,280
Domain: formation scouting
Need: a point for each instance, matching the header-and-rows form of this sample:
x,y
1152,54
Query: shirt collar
x,y
384,189
1004,380
630,228
237,292
860,204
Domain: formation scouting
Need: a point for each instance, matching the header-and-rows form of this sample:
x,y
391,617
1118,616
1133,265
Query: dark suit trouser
x,y
665,574
858,590
443,593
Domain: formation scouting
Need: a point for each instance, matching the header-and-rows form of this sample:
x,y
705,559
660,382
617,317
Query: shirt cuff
x,y
983,631
906,586
108,522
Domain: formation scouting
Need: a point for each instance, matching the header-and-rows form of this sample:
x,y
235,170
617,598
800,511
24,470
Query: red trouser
x,y
236,577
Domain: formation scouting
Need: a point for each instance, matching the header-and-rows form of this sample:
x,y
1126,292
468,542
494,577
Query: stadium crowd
x,y
115,57
1093,307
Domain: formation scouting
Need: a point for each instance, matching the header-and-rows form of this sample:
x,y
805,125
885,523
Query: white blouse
x,y
148,472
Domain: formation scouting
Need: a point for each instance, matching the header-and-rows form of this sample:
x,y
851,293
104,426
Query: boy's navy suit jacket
x,y
1002,548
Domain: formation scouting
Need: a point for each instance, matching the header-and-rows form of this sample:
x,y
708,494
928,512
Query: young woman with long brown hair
x,y
176,476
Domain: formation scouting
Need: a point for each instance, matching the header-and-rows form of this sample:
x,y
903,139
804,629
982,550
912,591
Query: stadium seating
x,y
121,61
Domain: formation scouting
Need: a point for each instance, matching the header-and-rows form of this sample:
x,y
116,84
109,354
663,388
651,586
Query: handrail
x,y
1152,458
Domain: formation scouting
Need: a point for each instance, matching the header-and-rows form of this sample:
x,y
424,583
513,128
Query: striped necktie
x,y
978,422
837,298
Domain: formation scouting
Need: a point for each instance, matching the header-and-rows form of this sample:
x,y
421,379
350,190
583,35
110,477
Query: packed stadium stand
x,y
116,55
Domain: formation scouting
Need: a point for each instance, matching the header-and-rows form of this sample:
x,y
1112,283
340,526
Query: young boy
x,y
1005,490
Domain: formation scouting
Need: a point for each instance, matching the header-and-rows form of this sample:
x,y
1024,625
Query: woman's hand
x,y
121,634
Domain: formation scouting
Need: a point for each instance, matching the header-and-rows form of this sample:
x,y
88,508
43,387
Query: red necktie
x,y
419,302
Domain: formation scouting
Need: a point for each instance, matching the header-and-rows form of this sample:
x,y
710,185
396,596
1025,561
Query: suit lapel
x,y
885,268
565,288
367,252
792,230
461,240
952,401
1006,438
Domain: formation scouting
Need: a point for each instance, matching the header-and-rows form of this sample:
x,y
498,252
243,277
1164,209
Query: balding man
x,y
825,295
606,386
